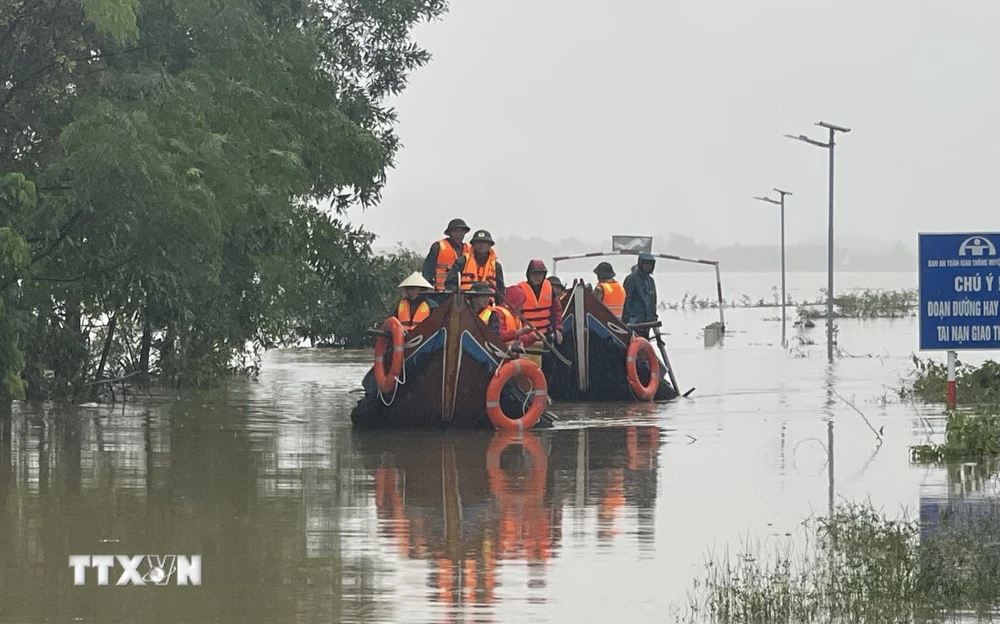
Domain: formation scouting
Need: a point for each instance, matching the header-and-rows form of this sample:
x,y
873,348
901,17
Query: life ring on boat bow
x,y
386,380
643,346
507,371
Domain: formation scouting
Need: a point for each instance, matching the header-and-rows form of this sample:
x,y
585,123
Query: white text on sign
x,y
974,283
978,262
942,309
969,333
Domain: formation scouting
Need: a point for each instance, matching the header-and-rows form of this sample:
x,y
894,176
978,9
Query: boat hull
x,y
595,341
449,360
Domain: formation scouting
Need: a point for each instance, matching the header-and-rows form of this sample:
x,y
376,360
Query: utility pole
x,y
784,297
829,145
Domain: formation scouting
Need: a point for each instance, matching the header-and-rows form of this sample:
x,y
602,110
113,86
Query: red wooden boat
x,y
597,344
448,364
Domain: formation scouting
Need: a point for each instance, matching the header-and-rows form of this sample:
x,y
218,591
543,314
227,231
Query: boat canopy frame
x,y
628,252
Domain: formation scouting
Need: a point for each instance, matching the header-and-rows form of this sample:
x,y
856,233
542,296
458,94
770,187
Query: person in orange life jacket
x,y
608,290
479,296
502,319
541,308
557,286
444,252
414,306
479,265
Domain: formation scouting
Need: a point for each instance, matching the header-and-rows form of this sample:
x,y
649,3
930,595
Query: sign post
x,y
959,295
952,394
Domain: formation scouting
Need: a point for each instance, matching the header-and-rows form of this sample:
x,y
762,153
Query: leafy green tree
x,y
181,149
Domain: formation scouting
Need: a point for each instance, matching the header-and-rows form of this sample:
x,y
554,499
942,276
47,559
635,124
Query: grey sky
x,y
583,118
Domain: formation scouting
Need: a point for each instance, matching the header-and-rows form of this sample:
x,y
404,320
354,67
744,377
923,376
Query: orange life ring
x,y
641,345
507,371
386,381
500,484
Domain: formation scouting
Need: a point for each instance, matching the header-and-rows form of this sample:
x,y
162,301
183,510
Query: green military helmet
x,y
456,224
479,288
604,269
482,236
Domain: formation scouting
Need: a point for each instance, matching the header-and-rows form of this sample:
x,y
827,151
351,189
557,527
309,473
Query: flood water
x,y
607,517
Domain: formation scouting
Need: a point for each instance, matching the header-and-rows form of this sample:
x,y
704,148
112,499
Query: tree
x,y
180,149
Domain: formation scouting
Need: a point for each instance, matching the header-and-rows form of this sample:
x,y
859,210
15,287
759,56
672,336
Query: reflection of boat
x,y
448,361
597,344
468,502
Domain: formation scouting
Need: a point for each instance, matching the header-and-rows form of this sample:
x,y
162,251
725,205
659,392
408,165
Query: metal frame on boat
x,y
626,252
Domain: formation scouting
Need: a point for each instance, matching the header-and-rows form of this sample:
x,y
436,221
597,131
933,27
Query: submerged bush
x,y
969,437
974,385
877,304
860,566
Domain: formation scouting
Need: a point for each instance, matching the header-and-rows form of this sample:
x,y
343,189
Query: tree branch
x,y
83,276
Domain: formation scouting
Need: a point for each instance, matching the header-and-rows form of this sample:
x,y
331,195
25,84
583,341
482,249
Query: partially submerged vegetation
x,y
859,566
867,304
975,385
969,437
877,304
971,434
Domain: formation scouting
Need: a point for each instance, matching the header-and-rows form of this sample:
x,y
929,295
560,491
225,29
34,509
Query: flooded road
x,y
609,516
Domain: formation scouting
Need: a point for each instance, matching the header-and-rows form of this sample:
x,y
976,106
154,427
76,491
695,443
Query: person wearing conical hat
x,y
608,291
478,265
414,306
444,252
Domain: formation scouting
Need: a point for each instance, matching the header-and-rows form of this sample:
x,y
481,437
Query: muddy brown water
x,y
607,517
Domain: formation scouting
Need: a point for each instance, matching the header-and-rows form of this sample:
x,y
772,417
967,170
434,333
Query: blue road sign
x,y
959,291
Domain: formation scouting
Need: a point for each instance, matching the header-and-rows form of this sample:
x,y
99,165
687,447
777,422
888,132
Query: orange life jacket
x,y
508,323
409,317
472,272
538,311
445,258
614,296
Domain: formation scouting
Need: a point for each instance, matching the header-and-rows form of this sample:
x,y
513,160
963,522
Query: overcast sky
x,y
583,118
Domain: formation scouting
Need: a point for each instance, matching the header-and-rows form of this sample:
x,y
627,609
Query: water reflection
x,y
484,511
299,519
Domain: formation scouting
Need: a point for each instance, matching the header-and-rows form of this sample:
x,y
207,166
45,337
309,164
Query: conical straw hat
x,y
416,279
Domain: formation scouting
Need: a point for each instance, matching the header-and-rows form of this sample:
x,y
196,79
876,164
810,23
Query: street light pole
x,y
829,257
784,297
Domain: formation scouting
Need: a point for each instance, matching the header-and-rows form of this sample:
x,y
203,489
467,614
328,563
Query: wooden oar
x,y
551,345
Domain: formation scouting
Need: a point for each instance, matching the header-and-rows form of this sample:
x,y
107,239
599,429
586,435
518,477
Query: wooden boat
x,y
596,342
448,363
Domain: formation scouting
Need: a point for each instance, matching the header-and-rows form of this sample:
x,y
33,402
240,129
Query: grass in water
x,y
859,566
867,304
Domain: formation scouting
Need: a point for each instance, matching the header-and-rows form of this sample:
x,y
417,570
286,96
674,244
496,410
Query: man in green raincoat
x,y
640,294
